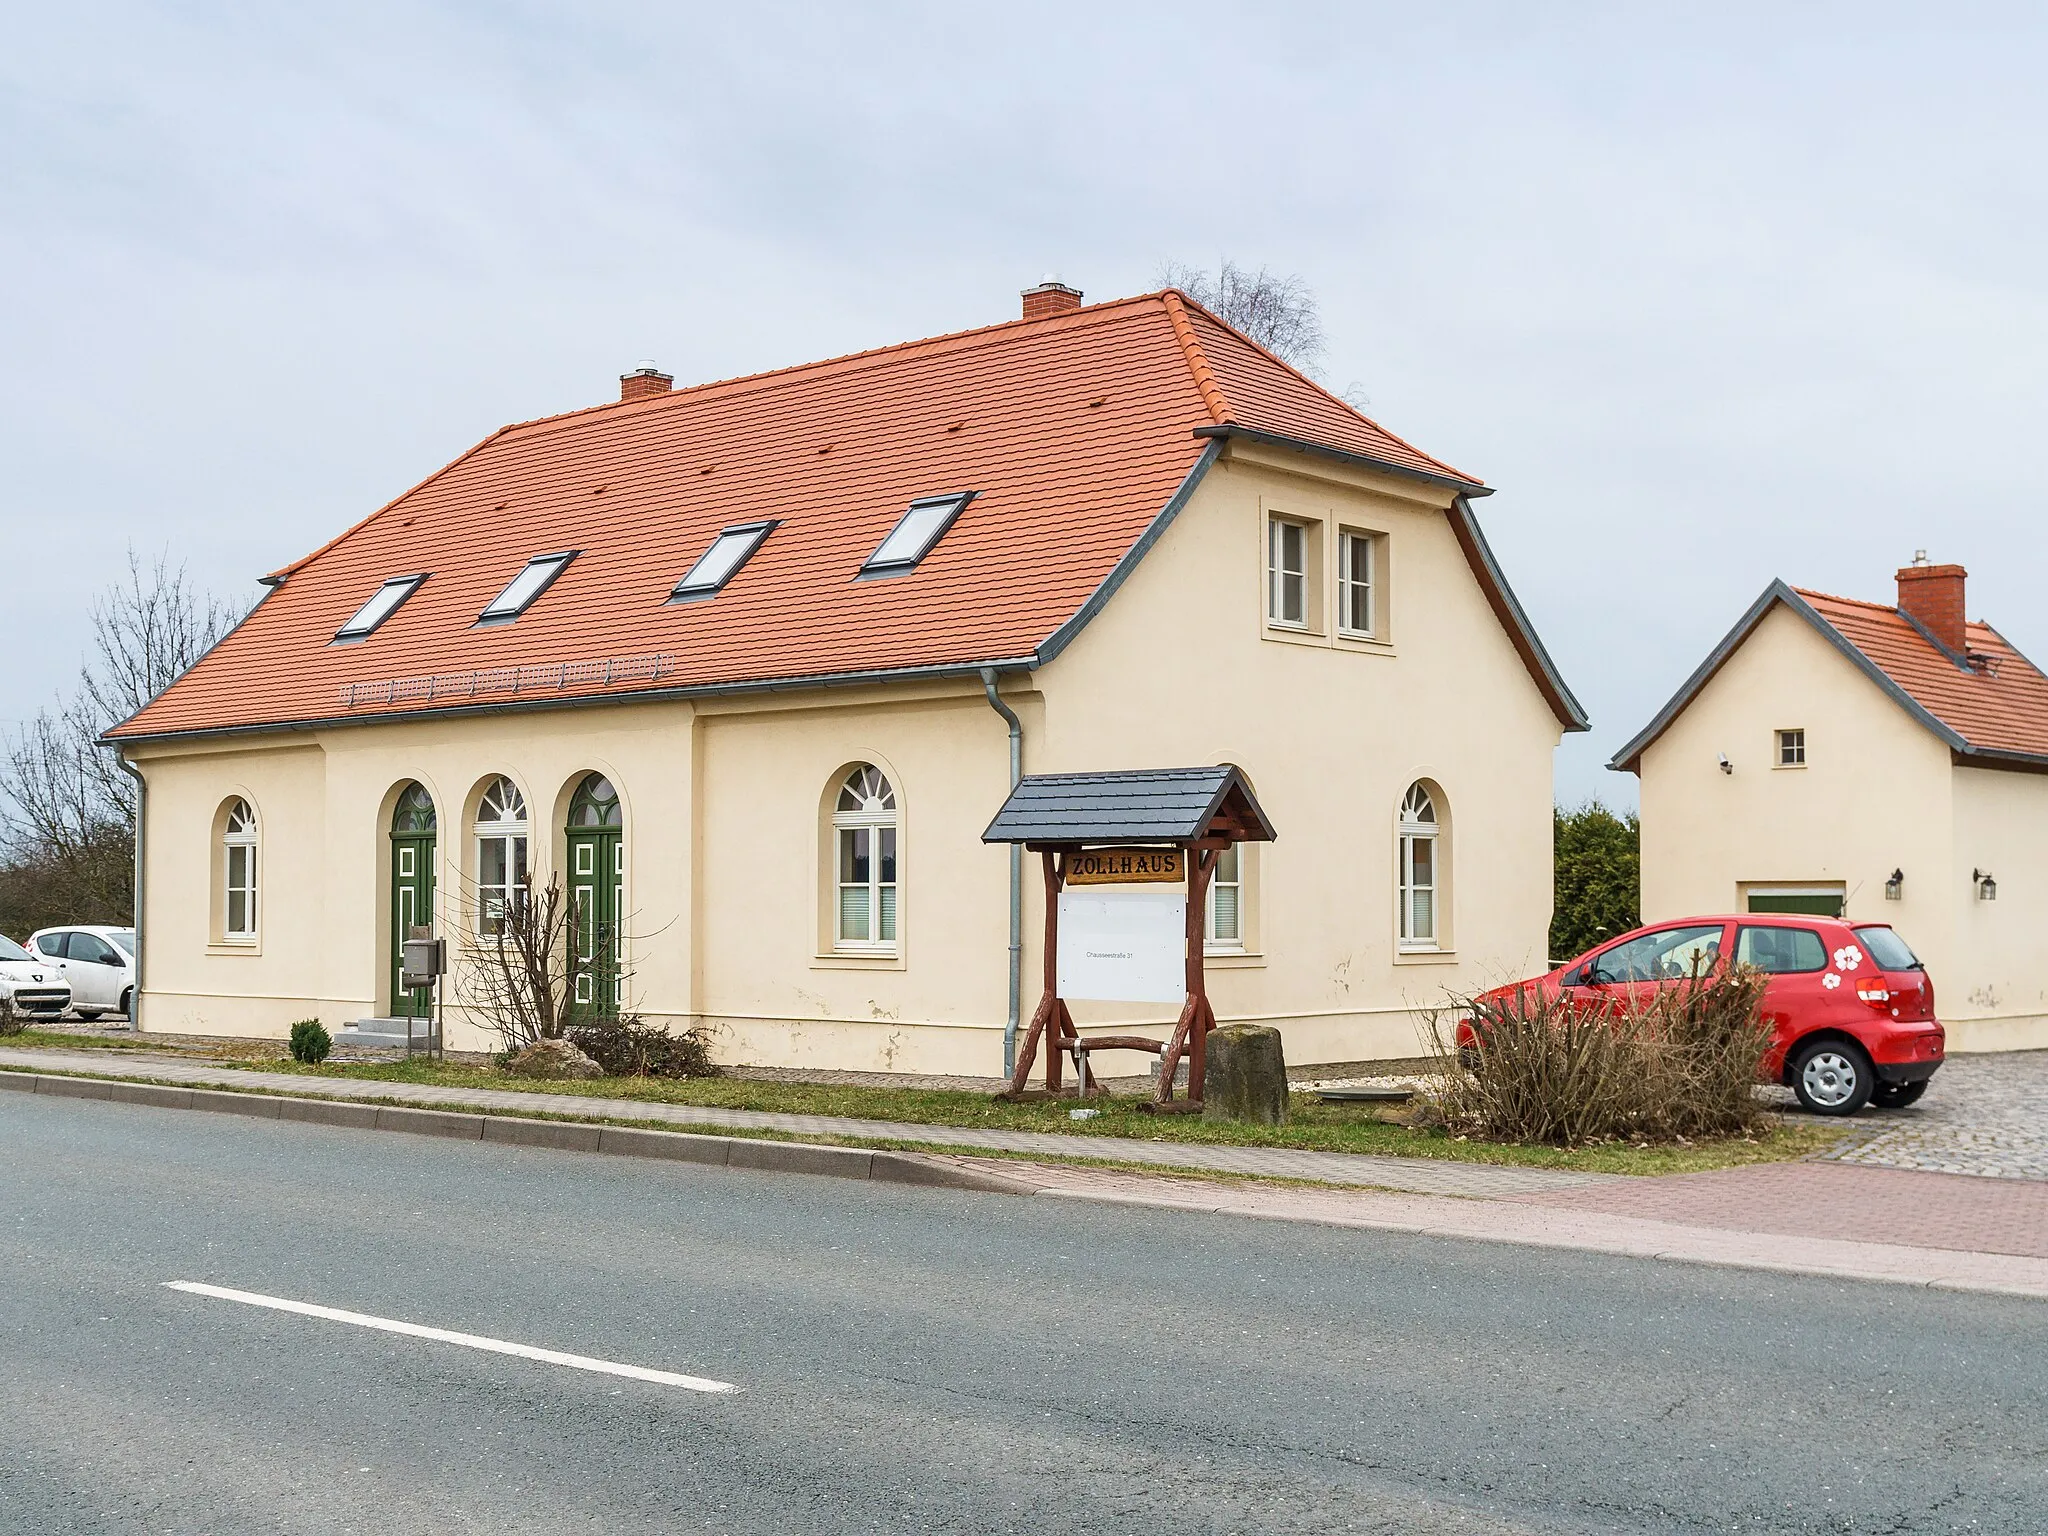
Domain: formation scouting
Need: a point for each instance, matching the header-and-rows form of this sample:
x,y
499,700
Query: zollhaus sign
x,y
1127,866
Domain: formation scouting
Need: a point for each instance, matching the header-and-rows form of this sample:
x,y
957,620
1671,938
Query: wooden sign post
x,y
1115,826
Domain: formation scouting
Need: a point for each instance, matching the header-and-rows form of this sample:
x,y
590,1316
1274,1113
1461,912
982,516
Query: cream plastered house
x,y
737,663
1887,763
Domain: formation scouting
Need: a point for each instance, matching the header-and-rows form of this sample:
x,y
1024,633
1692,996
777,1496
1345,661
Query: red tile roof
x,y
1999,705
1989,707
1075,432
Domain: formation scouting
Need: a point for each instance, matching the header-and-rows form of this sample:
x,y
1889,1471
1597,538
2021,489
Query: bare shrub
x,y
630,1047
523,967
1678,1066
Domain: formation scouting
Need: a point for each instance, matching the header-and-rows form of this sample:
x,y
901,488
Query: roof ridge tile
x,y
1213,397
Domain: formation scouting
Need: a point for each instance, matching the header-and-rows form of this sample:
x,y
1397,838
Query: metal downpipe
x,y
141,868
988,683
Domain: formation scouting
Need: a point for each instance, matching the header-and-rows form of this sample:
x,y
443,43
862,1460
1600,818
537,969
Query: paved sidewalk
x,y
1475,1180
1534,1221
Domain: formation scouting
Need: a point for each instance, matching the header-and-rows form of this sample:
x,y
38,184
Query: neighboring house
x,y
1890,763
725,657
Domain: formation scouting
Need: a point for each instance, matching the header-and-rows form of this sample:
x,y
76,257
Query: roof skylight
x,y
914,534
518,596
718,564
382,604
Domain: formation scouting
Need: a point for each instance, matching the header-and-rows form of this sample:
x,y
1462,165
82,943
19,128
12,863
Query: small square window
x,y
721,562
382,604
914,534
1356,590
1792,749
520,593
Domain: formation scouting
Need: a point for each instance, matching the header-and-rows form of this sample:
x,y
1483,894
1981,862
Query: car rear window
x,y
1891,952
1781,950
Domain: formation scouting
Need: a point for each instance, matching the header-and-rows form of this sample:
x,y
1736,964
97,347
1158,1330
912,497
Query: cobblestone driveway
x,y
1984,1115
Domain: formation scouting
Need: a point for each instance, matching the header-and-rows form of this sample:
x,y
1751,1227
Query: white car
x,y
28,986
98,962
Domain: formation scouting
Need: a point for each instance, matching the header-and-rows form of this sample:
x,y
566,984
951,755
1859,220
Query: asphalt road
x,y
922,1360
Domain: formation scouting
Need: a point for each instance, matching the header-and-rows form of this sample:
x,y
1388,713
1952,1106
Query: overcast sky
x,y
1710,297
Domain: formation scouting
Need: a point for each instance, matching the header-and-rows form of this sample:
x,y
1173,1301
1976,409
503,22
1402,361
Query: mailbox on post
x,y
423,961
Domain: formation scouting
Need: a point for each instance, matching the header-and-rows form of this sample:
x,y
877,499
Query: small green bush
x,y
628,1047
311,1042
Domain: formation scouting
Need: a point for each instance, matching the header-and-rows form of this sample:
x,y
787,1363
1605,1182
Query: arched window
x,y
500,853
238,874
864,835
1420,865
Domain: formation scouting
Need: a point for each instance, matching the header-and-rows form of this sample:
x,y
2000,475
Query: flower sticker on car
x,y
1848,957
1831,981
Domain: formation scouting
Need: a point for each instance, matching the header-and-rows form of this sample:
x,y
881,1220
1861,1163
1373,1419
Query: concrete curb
x,y
556,1135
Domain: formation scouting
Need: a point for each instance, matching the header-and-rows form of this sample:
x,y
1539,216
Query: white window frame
x,y
238,837
1415,831
1349,539
509,835
1791,738
1228,875
876,816
1278,573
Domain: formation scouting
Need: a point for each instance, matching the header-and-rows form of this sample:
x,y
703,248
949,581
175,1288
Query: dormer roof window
x,y
519,595
915,533
382,604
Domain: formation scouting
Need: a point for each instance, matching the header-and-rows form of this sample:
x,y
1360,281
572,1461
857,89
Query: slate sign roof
x,y
1148,805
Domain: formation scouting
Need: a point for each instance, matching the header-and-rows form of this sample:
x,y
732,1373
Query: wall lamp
x,y
1987,888
1726,766
1895,886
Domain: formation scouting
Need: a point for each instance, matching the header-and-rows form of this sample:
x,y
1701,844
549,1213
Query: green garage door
x,y
1807,902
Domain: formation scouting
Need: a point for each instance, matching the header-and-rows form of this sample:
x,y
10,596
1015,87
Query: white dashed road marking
x,y
447,1336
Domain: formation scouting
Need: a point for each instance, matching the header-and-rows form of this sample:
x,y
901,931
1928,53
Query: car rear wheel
x,y
1897,1095
90,1015
1833,1077
128,1005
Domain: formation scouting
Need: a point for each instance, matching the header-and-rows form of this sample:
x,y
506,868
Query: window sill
x,y
1363,645
857,960
1289,634
1425,956
235,947
1233,960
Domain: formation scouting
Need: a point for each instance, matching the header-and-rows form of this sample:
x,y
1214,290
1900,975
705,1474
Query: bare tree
x,y
1277,311
67,811
523,972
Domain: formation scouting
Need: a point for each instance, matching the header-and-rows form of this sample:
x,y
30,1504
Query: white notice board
x,y
1125,947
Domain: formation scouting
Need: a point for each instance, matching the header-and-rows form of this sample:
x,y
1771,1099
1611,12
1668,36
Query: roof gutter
x,y
1228,429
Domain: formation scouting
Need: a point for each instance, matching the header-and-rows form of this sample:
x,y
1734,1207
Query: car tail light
x,y
1878,997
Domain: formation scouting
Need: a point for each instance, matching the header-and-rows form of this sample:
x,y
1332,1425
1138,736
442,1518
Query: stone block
x,y
17,1082
1245,1075
559,1134
676,1146
355,1117
799,1157
431,1122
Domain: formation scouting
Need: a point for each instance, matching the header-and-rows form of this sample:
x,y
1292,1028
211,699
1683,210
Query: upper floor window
x,y
864,861
382,604
721,562
501,833
238,873
1419,880
1287,573
1792,749
1355,587
521,592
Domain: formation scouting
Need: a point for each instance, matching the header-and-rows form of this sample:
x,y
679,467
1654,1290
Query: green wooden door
x,y
412,891
597,879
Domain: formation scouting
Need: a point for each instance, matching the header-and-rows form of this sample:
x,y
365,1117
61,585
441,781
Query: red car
x,y
1851,1008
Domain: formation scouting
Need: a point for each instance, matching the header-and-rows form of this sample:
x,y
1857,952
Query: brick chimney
x,y
645,380
1933,594
1050,297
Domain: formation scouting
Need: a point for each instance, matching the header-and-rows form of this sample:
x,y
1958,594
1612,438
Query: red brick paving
x,y
1833,1200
